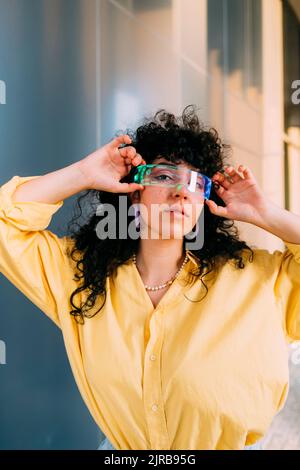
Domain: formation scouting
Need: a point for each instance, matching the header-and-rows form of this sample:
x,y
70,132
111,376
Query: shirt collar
x,y
193,258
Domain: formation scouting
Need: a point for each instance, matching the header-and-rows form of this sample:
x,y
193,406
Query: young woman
x,y
172,345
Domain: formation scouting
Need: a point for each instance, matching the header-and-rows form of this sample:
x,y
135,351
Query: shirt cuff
x,y
25,215
294,248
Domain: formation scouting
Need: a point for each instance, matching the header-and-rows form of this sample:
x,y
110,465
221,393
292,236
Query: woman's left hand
x,y
244,199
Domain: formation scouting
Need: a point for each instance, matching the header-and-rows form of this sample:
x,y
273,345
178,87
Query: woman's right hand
x,y
104,168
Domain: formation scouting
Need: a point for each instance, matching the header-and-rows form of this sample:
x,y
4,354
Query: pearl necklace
x,y
161,286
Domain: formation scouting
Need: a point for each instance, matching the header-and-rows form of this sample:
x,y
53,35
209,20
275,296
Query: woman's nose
x,y
180,191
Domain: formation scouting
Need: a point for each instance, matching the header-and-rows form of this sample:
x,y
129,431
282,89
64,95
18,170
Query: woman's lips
x,y
176,212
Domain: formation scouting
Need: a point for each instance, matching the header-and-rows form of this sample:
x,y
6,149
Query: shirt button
x,y
154,407
153,357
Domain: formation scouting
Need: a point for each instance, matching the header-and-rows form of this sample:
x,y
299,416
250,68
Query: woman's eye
x,y
161,177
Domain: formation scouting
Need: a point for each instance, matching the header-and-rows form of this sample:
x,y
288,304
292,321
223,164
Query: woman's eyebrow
x,y
192,169
174,164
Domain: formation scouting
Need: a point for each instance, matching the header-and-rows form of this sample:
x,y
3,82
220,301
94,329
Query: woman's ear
x,y
134,197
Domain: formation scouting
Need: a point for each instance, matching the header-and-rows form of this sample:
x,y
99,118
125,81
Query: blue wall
x,y
47,62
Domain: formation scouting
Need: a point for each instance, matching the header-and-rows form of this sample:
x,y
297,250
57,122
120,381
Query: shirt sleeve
x,y
31,257
287,288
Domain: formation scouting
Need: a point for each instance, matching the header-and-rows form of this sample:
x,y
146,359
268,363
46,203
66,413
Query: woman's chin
x,y
173,229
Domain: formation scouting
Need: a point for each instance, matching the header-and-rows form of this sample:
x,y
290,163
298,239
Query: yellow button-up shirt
x,y
184,375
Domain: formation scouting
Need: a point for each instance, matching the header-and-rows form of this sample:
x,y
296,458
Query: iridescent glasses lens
x,y
173,176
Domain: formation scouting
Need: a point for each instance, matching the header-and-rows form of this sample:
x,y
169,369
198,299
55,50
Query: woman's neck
x,y
159,260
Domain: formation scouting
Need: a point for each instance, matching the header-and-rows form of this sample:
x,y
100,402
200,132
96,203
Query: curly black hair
x,y
183,138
